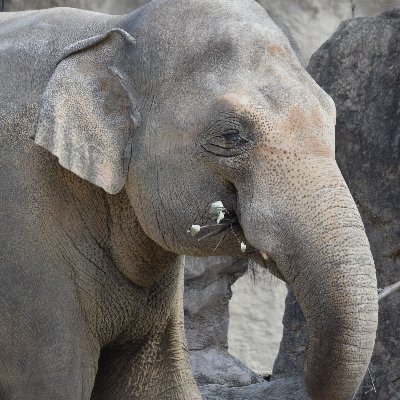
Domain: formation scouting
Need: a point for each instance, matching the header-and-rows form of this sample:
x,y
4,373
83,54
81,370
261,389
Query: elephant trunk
x,y
318,243
339,301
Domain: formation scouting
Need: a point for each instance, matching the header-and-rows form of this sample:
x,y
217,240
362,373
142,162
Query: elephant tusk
x,y
264,255
271,266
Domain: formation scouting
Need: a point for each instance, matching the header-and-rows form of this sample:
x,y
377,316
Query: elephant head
x,y
189,102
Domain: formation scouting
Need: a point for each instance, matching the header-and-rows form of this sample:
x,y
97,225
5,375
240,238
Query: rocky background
x,y
359,66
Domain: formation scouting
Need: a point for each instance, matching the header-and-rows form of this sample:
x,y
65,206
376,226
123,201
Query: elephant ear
x,y
86,115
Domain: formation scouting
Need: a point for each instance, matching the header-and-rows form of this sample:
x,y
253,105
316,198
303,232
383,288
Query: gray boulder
x,y
208,284
359,66
311,22
221,376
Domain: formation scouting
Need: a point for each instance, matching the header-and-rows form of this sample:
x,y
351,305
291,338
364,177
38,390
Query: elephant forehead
x,y
197,35
305,127
239,46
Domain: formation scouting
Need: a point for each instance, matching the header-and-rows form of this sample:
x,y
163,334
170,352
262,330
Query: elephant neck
x,y
135,255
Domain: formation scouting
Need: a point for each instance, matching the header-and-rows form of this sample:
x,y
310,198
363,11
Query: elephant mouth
x,y
229,224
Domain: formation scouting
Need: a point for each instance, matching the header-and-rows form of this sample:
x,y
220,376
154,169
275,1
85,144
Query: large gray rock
x,y
360,68
374,7
258,302
310,22
283,389
207,293
221,376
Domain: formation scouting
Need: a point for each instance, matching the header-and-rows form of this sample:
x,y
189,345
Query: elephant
x,y
117,133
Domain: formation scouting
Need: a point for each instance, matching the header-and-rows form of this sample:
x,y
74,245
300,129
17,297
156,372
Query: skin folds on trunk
x,y
338,295
315,235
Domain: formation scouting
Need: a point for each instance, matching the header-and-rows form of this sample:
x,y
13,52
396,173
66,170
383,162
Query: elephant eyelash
x,y
228,143
228,135
233,135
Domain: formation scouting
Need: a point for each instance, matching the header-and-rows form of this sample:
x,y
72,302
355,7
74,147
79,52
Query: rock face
x,y
359,67
310,22
207,293
219,375
372,7
258,302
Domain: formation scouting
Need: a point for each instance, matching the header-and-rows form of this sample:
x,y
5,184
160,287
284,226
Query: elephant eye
x,y
232,138
229,143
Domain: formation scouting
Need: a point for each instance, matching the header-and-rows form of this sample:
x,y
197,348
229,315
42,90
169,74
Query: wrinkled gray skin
x,y
167,109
